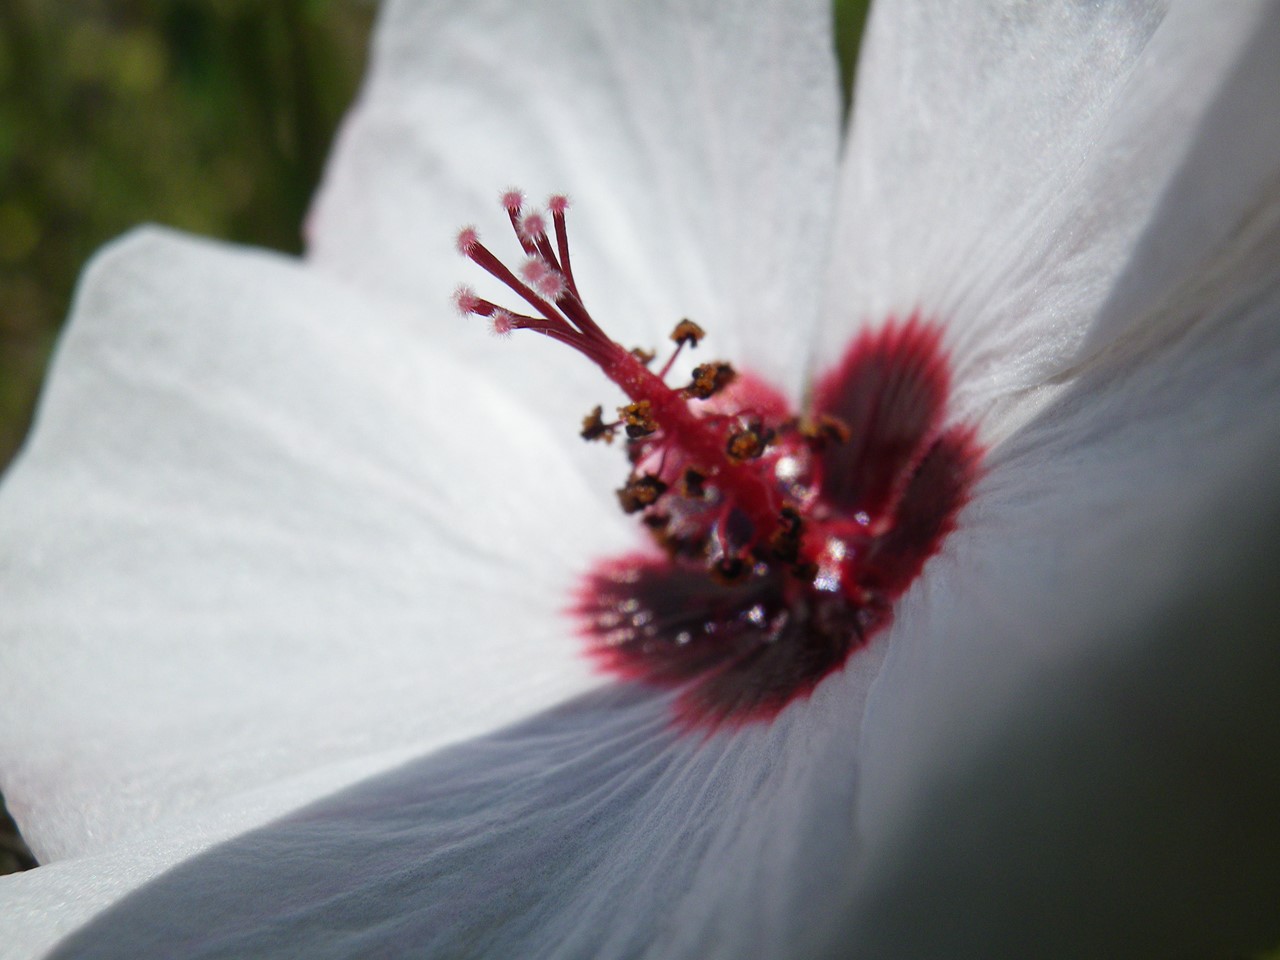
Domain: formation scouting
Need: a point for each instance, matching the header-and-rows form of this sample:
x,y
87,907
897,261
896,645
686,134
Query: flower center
x,y
783,538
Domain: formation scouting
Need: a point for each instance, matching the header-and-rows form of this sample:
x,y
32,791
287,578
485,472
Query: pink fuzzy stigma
x,y
503,323
558,204
543,277
534,270
513,200
533,226
468,240
465,299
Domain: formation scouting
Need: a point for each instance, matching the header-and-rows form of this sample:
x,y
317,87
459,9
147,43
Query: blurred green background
x,y
209,115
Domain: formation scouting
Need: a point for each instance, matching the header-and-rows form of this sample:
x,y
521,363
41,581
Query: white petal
x,y
592,831
696,140
1032,684
43,905
1042,177
1072,747
260,527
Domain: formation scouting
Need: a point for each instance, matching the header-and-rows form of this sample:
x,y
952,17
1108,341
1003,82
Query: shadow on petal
x,y
593,830
456,853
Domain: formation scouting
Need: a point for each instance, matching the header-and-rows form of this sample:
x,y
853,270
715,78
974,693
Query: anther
x,y
693,485
748,444
638,419
594,427
655,521
709,379
823,430
640,492
687,333
785,543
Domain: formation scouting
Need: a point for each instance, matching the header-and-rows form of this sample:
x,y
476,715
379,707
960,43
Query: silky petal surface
x,y
1011,163
697,142
1090,656
42,906
594,830
260,527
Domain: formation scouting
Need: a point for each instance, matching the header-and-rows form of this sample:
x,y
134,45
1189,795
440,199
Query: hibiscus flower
x,y
286,668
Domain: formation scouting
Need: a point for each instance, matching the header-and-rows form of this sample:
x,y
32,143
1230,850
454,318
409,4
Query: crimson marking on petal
x,y
742,651
873,509
926,514
889,390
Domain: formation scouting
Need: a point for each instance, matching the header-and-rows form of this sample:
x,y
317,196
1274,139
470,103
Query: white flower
x,y
290,541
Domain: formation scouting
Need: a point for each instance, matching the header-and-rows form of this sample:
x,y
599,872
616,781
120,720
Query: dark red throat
x,y
877,503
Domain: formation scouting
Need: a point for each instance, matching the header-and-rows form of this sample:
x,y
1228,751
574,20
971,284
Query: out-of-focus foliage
x,y
850,18
210,115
